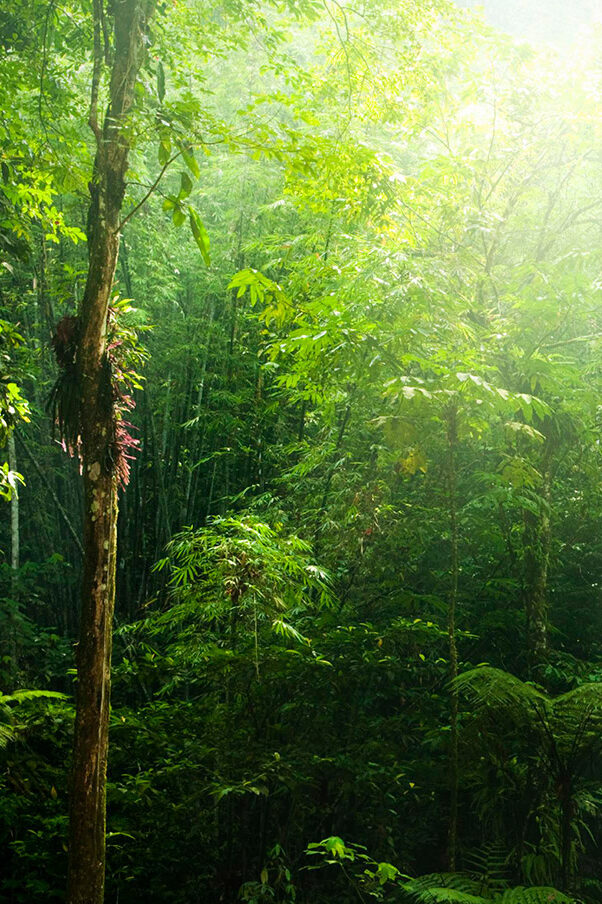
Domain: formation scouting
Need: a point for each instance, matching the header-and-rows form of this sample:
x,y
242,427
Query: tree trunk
x,y
14,508
452,437
566,830
97,430
537,541
193,465
14,562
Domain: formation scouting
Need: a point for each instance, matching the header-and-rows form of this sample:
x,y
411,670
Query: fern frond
x,y
445,888
495,689
7,734
535,895
490,863
459,888
450,896
582,703
21,696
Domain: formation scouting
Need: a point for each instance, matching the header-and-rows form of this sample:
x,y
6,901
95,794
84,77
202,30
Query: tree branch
x,y
96,72
153,187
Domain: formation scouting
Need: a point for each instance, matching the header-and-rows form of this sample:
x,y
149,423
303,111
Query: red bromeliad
x,y
65,400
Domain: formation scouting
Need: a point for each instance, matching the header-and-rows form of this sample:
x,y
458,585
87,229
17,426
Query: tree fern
x,y
492,688
457,888
573,720
564,732
449,896
541,894
577,717
445,888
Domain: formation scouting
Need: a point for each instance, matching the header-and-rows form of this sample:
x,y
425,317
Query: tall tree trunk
x,y
161,491
452,437
97,429
14,508
14,561
195,443
537,539
566,829
537,554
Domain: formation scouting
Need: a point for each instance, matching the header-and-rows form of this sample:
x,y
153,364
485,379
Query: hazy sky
x,y
556,21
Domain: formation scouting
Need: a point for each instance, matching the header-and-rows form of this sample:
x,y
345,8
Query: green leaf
x,y
161,81
386,872
164,151
335,845
185,186
191,163
179,217
201,236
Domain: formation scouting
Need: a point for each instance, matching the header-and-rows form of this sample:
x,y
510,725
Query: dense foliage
x,y
356,355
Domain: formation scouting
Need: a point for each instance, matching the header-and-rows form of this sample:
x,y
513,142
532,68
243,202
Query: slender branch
x,y
41,98
105,35
141,203
96,72
564,342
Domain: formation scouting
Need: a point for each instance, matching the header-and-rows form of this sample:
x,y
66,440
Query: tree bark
x,y
97,430
537,556
566,830
14,508
14,562
452,438
537,540
195,443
